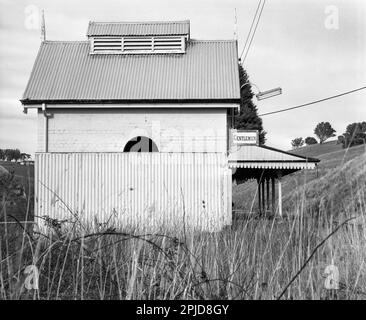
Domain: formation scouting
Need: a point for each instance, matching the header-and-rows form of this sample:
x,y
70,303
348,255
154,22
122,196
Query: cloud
x,y
18,133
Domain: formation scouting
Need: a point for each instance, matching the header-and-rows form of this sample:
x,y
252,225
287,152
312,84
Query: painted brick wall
x,y
108,130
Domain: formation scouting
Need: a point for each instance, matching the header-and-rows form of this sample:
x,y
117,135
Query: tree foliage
x,y
340,140
248,118
12,154
25,156
310,140
297,143
324,131
355,134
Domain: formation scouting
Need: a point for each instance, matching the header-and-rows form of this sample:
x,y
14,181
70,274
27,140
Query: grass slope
x,y
333,184
318,149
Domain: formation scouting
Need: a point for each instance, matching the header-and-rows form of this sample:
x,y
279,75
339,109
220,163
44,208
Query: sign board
x,y
247,137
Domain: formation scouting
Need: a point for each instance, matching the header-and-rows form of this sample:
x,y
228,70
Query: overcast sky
x,y
293,48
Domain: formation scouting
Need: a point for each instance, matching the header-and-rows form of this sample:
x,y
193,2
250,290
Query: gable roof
x,y
65,72
138,28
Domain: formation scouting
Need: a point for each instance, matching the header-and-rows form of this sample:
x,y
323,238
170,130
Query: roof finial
x,y
43,27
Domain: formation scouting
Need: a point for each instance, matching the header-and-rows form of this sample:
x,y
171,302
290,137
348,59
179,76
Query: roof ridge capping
x,y
140,22
138,28
213,40
64,41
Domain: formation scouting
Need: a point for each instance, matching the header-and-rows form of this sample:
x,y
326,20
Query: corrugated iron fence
x,y
144,191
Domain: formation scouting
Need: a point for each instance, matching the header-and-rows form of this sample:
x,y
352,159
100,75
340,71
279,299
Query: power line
x,y
251,27
313,102
255,29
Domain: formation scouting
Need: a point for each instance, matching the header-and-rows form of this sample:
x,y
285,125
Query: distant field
x,y
20,171
19,191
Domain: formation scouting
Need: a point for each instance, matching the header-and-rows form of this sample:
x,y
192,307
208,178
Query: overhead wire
x,y
255,29
251,27
313,102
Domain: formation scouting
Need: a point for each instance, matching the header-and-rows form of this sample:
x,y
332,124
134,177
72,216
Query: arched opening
x,y
140,144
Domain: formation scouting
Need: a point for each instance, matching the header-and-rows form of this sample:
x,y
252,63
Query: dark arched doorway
x,y
140,144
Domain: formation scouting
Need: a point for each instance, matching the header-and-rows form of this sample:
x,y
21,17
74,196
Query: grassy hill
x,y
337,186
318,149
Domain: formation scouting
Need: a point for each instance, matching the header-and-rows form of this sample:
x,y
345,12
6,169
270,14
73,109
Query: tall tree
x,y
310,140
16,154
355,134
248,118
8,154
13,154
324,131
297,143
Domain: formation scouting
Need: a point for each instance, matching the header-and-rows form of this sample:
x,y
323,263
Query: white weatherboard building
x,y
135,129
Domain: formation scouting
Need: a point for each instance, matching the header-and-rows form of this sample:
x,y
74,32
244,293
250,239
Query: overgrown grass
x,y
255,259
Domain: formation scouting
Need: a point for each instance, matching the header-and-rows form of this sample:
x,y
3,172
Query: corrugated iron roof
x,y
138,28
263,154
65,71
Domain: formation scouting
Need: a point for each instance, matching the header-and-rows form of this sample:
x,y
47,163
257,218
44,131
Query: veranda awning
x,y
263,157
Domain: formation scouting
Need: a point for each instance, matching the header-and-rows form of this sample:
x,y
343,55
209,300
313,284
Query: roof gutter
x,y
126,104
30,102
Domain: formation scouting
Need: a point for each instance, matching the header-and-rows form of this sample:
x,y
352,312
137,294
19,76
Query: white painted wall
x,y
189,129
